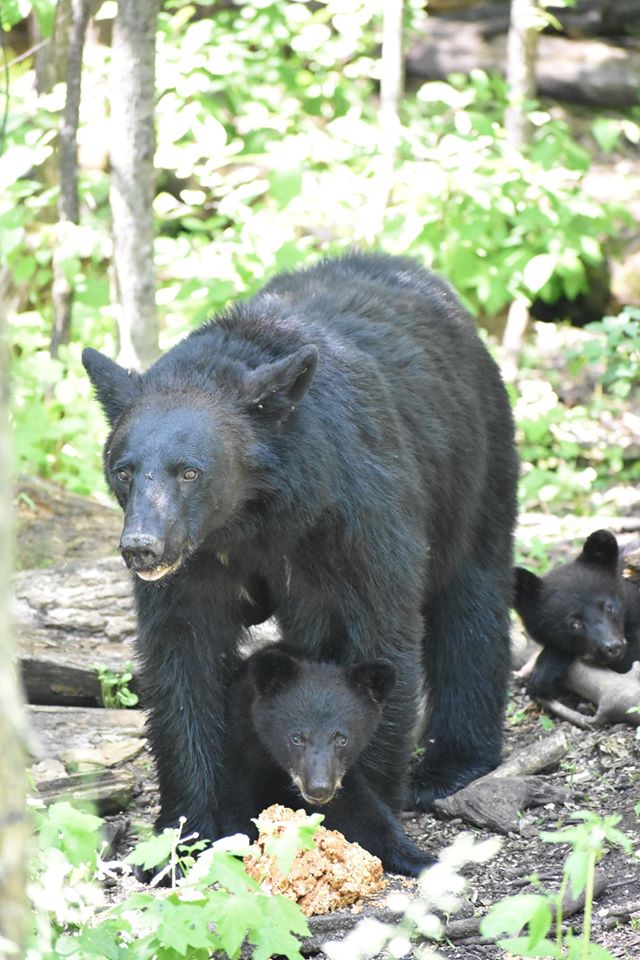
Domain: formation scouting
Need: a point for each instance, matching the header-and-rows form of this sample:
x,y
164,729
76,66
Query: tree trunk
x,y
391,90
522,42
72,23
132,178
13,821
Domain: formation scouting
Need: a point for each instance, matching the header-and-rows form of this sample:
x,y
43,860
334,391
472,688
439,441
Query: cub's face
x,y
176,472
315,719
592,626
579,606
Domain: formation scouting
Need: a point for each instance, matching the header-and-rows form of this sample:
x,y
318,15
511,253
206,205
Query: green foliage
x,y
590,840
114,687
263,109
615,348
214,909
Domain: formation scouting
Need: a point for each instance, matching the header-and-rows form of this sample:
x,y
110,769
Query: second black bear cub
x,y
295,730
584,610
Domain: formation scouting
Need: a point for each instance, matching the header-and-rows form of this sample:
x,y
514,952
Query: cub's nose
x,y
319,793
141,550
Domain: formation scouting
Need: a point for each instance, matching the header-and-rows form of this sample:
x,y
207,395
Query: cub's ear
x,y
527,588
601,548
375,679
275,388
115,387
271,670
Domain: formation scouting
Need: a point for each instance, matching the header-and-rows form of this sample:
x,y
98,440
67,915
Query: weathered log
x,y
589,18
615,695
497,799
581,71
69,621
109,791
54,525
80,752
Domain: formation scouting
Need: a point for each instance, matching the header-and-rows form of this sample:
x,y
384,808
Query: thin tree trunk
x,y
73,19
13,822
132,178
522,45
391,91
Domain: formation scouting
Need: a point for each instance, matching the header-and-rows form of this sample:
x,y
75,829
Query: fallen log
x,y
580,71
615,695
69,620
84,755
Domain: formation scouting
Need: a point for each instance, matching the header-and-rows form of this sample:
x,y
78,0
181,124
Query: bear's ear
x,y
275,388
115,387
601,549
272,669
527,588
375,679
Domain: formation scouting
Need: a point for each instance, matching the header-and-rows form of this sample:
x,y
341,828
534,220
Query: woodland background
x,y
160,159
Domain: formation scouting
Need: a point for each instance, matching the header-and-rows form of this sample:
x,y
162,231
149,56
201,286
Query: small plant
x,y
616,347
114,687
213,909
539,913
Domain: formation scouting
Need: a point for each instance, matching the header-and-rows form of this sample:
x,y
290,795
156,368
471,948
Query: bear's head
x,y
578,607
179,457
315,719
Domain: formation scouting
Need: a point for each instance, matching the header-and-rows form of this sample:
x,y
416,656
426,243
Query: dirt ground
x,y
600,773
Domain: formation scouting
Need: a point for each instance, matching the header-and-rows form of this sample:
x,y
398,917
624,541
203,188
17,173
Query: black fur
x,y
294,733
584,610
344,441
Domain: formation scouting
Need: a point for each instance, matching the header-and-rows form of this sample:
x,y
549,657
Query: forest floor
x,y
599,773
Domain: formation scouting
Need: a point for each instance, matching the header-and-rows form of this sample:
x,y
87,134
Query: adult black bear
x,y
340,446
295,730
584,609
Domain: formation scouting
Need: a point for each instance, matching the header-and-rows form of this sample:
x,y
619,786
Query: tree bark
x,y
522,43
73,19
13,821
391,90
132,178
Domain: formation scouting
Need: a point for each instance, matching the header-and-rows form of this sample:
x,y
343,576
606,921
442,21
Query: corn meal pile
x,y
334,874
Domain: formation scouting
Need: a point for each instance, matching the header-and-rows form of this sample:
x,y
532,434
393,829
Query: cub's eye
x,y
609,608
123,476
340,740
296,740
576,624
190,474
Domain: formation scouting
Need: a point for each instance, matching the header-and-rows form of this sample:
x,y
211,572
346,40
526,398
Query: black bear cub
x,y
295,731
583,609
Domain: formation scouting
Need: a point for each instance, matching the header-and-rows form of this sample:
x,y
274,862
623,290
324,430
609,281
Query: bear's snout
x,y
141,551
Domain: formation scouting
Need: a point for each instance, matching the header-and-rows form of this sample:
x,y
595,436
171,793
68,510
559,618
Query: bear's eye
x,y
340,740
123,476
190,474
296,740
576,624
609,608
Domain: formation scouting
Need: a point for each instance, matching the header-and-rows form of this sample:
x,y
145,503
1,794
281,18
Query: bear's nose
x,y
319,793
141,550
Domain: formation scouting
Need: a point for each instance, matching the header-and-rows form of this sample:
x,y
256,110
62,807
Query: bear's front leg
x,y
187,644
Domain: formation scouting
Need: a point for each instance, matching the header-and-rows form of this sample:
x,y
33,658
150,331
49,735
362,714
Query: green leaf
x,y
155,851
513,913
284,185
230,873
539,271
520,947
606,132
